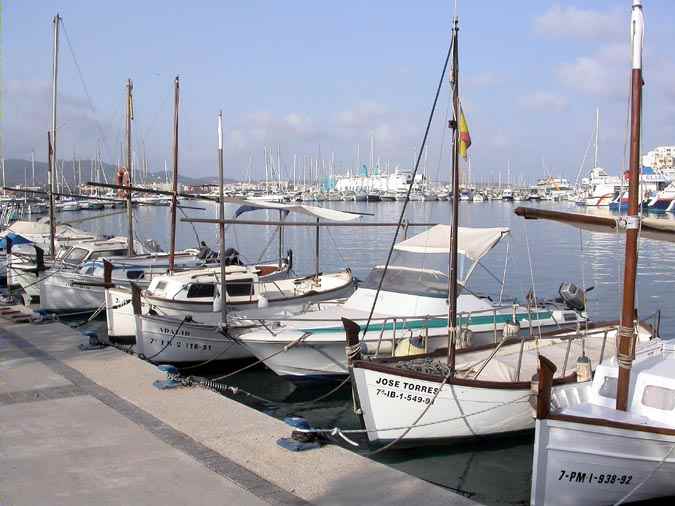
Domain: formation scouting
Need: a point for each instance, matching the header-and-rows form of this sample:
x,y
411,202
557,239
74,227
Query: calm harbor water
x,y
540,254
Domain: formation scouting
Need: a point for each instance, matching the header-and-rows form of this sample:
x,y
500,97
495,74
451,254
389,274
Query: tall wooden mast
x,y
52,139
627,336
454,218
174,189
130,212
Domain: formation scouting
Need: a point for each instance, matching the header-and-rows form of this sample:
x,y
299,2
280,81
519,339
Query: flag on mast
x,y
464,136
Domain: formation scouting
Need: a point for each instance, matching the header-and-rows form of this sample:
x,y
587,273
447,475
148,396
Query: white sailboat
x,y
612,441
410,315
466,393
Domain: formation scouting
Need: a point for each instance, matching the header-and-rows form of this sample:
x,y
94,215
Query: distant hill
x,y
19,172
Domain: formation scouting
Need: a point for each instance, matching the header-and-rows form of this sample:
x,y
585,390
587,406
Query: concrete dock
x,y
80,428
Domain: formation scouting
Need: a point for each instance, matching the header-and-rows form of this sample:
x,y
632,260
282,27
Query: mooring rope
x,y
283,349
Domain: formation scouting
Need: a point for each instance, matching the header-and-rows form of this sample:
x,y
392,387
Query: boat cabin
x,y
203,286
75,255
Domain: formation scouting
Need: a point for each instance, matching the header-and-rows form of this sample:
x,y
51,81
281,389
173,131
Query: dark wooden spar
x,y
454,218
627,335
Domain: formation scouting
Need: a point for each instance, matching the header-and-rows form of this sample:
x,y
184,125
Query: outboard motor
x,y
573,296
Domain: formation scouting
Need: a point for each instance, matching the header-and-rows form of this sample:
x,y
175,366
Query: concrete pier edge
x,y
80,384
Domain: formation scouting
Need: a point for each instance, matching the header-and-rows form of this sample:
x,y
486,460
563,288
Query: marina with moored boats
x,y
456,337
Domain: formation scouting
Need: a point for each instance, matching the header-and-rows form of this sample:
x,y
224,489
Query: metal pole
x,y
172,250
316,252
52,152
281,236
130,213
221,225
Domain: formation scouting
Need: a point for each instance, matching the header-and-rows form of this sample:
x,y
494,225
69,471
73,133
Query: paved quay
x,y
81,428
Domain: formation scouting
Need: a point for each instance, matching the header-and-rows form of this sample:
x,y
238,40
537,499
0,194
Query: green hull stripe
x,y
436,323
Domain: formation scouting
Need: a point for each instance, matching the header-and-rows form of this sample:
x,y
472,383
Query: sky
x,y
317,79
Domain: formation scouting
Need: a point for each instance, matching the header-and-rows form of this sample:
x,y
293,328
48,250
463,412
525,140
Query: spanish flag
x,y
464,136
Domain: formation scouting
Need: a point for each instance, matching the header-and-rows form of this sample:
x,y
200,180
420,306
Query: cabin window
x,y
199,290
109,253
658,397
161,285
135,274
88,270
608,388
570,316
76,255
239,288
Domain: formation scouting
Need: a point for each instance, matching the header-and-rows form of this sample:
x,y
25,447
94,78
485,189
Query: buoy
x,y
584,372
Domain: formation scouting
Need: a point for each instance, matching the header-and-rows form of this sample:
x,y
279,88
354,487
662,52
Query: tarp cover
x,y
473,243
315,211
16,239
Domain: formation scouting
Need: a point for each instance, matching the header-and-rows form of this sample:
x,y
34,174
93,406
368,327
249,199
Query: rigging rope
x,y
84,85
407,196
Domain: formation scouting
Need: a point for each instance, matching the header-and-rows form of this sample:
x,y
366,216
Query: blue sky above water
x,y
320,77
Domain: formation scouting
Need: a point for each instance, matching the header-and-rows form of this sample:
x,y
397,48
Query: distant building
x,y
661,158
393,182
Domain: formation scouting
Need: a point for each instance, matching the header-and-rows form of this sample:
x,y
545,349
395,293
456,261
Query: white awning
x,y
314,211
473,243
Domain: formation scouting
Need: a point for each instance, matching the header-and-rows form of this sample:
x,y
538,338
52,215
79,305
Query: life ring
x,y
122,179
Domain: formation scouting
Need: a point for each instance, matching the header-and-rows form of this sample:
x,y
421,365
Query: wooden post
x,y
352,331
136,299
107,272
174,198
626,345
546,372
130,213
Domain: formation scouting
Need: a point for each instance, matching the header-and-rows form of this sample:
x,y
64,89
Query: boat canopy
x,y
473,243
314,211
650,228
16,239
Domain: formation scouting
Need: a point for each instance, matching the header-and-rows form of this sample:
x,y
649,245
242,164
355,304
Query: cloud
x,y
604,73
482,79
364,114
28,118
573,22
544,100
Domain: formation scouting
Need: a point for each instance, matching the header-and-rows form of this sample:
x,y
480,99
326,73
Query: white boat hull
x,y
64,297
167,340
390,403
588,464
322,352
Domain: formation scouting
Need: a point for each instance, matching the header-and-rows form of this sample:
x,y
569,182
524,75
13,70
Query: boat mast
x,y
52,140
626,347
597,134
174,195
130,212
454,218
221,225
